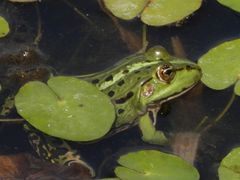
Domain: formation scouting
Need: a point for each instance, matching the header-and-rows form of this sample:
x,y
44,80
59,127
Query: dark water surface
x,y
71,45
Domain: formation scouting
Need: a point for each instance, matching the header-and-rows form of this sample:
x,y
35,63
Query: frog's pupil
x,y
168,72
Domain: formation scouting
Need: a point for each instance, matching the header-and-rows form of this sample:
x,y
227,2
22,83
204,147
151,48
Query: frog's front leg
x,y
149,132
54,150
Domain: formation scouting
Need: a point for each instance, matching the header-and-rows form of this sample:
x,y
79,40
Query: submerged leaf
x,y
221,66
233,4
66,107
4,27
152,165
230,166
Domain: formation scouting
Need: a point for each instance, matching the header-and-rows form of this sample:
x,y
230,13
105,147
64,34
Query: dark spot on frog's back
x,y
120,111
95,81
148,67
125,71
111,93
109,78
120,83
125,98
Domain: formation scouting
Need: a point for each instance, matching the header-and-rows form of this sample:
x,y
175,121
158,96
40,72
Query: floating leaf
x,y
237,88
162,12
153,12
66,107
125,9
230,166
221,66
152,165
233,4
4,27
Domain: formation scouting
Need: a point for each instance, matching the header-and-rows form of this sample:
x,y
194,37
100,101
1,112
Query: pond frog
x,y
137,86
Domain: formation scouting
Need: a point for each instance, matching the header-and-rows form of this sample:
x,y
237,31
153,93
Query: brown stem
x,y
178,48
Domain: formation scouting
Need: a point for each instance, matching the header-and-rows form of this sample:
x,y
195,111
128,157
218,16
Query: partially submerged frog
x,y
137,86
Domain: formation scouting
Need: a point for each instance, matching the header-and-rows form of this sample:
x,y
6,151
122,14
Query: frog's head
x,y
169,80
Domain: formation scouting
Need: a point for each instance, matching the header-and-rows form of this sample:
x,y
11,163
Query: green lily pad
x,y
221,66
66,107
153,12
230,166
237,88
152,165
233,4
162,12
125,9
4,27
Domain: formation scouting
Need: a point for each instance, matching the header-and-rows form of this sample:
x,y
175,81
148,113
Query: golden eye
x,y
165,73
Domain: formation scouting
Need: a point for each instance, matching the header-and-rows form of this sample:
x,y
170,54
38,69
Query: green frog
x,y
137,86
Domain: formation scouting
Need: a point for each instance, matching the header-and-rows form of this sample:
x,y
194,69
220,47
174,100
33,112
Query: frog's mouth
x,y
159,102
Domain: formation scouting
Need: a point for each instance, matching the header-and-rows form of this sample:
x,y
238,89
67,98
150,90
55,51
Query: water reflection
x,y
72,46
25,166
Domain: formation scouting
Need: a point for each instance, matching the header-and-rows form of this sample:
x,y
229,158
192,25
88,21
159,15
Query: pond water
x,y
71,45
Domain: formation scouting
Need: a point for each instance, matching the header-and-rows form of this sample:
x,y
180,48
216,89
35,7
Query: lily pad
x,y
233,4
237,88
221,66
66,107
230,166
153,12
125,9
152,165
4,27
162,12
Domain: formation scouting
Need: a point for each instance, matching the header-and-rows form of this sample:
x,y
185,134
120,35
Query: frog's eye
x,y
165,73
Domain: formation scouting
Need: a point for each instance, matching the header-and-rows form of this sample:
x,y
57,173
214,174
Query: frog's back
x,y
135,83
122,83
